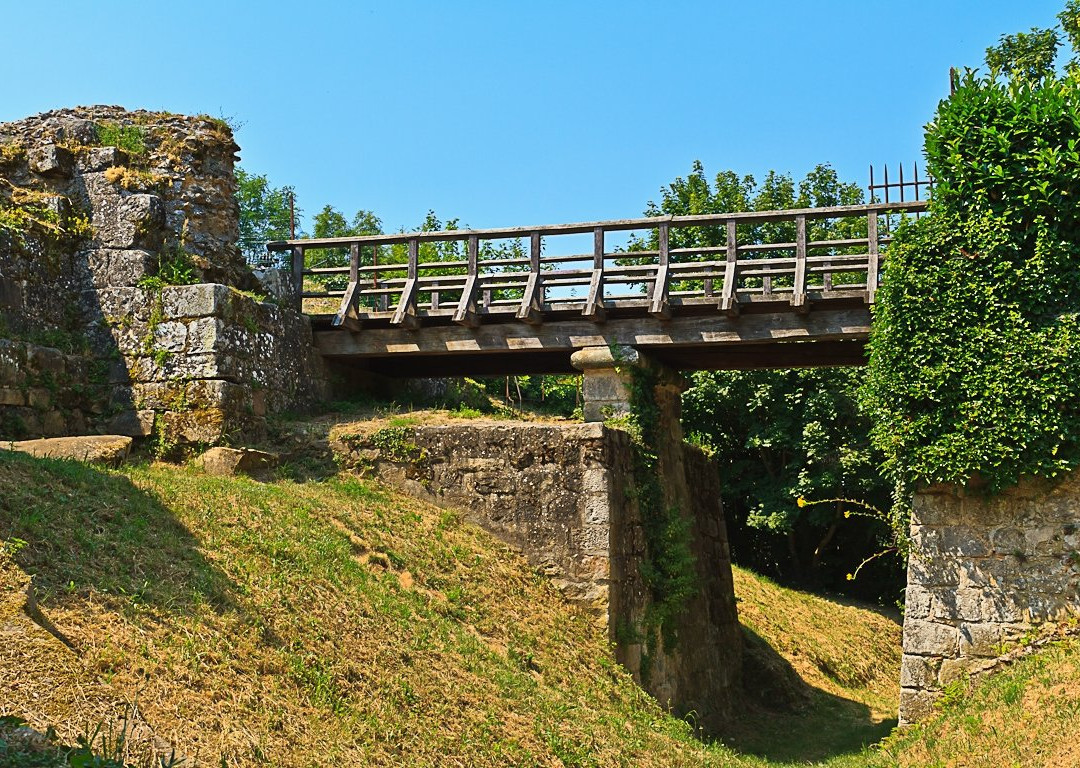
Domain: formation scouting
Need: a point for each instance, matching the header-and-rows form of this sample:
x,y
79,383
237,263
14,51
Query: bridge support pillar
x,y
607,379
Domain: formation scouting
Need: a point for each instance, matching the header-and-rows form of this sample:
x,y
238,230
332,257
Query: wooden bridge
x,y
770,289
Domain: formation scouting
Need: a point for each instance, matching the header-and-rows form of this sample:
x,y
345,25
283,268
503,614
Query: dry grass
x,y
334,622
1027,716
311,624
845,662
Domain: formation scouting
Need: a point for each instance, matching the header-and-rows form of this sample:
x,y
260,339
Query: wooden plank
x,y
594,302
798,293
873,257
531,308
532,301
347,315
354,262
729,296
405,314
659,306
466,313
567,335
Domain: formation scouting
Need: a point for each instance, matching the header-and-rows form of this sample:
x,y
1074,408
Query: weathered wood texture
x,y
527,287
400,297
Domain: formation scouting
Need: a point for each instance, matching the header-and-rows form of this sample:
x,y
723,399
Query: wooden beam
x,y
298,275
658,304
594,302
405,314
532,302
798,294
874,256
729,297
614,225
347,315
644,332
466,313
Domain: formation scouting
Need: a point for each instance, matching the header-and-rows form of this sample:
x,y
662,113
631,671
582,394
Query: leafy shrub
x,y
975,353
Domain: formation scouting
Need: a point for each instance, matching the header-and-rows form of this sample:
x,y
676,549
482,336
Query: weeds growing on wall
x,y
669,568
975,353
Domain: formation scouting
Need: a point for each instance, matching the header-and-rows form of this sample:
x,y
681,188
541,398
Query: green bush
x,y
975,353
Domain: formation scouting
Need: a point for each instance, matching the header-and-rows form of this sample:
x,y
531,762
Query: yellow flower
x,y
851,577
847,513
801,502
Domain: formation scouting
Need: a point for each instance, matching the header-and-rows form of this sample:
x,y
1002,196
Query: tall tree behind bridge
x,y
782,435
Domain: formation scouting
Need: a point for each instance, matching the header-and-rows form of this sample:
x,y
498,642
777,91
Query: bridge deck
x,y
779,289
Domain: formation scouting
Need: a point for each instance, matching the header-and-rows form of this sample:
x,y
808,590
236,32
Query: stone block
x,y
189,301
107,449
234,461
915,704
917,602
204,335
118,267
919,671
45,360
1007,541
99,158
139,221
925,638
980,639
11,294
12,397
132,423
53,424
604,385
50,160
170,336
38,398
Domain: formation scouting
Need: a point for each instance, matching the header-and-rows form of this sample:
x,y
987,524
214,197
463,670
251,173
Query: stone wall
x,y
565,496
46,392
984,572
102,211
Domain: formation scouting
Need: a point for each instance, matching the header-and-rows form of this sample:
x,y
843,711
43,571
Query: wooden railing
x,y
386,278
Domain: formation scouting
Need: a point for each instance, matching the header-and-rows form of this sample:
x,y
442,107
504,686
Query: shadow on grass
x,y
787,720
85,528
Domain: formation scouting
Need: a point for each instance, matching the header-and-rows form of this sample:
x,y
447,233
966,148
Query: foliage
x,y
264,213
1025,55
782,435
975,353
669,568
329,222
129,138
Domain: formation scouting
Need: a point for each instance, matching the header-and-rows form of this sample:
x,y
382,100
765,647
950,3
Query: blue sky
x,y
504,113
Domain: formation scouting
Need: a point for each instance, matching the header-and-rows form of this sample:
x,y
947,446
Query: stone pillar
x,y
603,386
982,573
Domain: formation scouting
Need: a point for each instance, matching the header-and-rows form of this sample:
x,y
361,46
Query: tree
x,y
264,213
783,435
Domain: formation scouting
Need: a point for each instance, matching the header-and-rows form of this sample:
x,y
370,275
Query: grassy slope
x,y
1027,716
333,622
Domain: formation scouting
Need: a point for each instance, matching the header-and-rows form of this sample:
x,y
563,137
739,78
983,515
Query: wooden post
x,y
298,275
798,295
658,305
872,256
466,309
405,313
729,297
347,314
594,303
532,301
